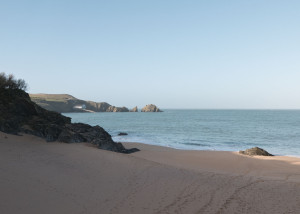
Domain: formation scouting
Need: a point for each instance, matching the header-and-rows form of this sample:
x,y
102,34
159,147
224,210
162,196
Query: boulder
x,y
122,134
255,151
80,132
151,108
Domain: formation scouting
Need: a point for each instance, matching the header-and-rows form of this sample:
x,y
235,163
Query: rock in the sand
x,y
255,151
151,108
128,151
135,109
122,133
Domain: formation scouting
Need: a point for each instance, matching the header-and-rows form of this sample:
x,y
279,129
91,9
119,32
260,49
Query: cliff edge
x,y
19,114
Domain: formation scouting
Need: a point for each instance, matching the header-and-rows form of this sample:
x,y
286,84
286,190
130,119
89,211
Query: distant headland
x,y
65,103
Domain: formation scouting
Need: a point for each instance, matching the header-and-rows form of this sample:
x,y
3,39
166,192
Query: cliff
x,y
64,103
19,114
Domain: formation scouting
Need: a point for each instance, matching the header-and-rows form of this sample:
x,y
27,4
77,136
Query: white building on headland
x,y
80,107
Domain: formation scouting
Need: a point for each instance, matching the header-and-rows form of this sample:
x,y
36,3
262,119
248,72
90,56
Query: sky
x,y
233,54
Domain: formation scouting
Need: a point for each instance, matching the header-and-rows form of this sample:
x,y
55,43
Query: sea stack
x,y
151,108
117,109
135,109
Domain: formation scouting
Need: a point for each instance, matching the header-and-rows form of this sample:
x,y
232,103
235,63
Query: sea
x,y
277,131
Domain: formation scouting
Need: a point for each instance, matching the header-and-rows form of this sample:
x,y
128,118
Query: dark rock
x,y
122,133
68,136
255,151
128,151
151,108
80,132
19,114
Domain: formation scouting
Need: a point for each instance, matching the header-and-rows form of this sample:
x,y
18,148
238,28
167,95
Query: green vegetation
x,y
9,82
65,103
51,98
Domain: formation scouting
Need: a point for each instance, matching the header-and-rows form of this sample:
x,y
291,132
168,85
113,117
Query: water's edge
x,y
277,131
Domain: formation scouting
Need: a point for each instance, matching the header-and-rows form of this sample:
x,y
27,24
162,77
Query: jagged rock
x,y
80,132
19,114
151,108
110,109
122,133
68,136
135,109
117,109
255,151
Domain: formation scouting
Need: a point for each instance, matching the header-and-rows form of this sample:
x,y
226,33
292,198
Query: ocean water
x,y
277,131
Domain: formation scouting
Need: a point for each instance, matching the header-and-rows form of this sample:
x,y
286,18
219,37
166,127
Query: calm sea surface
x,y
277,131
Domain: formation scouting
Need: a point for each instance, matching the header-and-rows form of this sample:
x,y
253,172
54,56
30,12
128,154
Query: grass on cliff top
x,y
52,97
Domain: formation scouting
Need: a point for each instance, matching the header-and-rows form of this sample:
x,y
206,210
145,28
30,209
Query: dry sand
x,y
40,177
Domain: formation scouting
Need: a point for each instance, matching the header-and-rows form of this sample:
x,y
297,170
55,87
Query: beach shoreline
x,y
40,177
272,167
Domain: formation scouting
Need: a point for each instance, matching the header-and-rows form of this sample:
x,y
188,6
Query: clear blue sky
x,y
176,54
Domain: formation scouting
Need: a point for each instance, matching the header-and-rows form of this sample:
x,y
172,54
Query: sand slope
x,y
39,177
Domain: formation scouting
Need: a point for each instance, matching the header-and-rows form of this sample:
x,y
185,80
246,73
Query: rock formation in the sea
x,y
135,109
117,109
255,151
151,108
63,103
18,114
122,134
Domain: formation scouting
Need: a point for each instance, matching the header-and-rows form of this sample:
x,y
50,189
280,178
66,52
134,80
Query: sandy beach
x,y
40,177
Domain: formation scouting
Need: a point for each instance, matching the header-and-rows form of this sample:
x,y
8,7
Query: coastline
x,y
272,167
40,177
216,130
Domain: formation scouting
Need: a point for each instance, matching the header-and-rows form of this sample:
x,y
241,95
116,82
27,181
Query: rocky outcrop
x,y
135,109
19,114
117,109
79,132
151,108
64,103
97,107
255,151
122,134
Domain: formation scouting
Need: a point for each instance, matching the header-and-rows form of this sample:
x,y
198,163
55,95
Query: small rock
x,y
255,151
129,151
122,133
